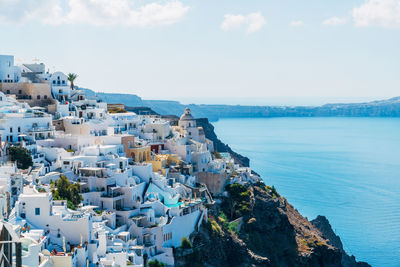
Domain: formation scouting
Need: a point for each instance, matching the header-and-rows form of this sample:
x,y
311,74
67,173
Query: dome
x,y
187,115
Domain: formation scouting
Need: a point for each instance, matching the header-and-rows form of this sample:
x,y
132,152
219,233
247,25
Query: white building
x,y
18,119
36,208
8,72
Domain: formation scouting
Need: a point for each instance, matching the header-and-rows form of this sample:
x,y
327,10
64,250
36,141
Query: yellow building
x,y
160,163
132,150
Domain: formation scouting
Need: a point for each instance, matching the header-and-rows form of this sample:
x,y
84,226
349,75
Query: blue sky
x,y
237,49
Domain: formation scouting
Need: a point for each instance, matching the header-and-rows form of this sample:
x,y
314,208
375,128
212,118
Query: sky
x,y
233,51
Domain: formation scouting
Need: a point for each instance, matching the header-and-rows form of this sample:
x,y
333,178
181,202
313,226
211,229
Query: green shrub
x,y
234,227
22,156
155,263
237,203
185,243
223,219
272,191
64,190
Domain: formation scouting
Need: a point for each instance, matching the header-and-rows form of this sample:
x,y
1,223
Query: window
x,y
54,82
38,97
19,129
19,91
37,211
45,96
10,129
60,91
8,91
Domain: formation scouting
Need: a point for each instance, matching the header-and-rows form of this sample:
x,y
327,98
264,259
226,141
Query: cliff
x,y
255,226
269,232
323,225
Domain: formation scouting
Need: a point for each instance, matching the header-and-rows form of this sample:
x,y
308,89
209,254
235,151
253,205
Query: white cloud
x,y
385,13
232,22
253,22
93,12
296,23
335,21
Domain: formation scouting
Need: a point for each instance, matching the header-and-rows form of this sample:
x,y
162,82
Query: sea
x,y
347,169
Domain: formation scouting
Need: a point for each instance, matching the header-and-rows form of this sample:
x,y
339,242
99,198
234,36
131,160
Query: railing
x,y
41,129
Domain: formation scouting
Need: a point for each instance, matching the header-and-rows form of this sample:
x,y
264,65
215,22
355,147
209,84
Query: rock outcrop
x,y
323,225
271,233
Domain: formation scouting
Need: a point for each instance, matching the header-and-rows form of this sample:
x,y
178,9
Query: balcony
x,y
41,129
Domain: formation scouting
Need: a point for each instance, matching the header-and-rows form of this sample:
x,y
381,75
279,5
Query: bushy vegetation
x,y
230,226
306,244
214,227
234,227
223,219
185,243
272,191
251,221
237,203
62,189
22,156
155,263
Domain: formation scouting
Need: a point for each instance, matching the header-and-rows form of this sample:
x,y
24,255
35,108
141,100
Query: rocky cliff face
x,y
323,225
271,233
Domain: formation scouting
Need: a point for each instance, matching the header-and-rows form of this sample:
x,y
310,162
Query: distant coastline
x,y
381,108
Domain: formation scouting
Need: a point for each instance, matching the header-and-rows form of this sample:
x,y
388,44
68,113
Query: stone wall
x,y
215,181
35,94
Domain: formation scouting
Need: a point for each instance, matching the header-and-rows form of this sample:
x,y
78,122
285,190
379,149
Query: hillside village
x,y
104,187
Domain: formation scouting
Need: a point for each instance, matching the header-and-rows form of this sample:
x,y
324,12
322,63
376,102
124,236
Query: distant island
x,y
382,108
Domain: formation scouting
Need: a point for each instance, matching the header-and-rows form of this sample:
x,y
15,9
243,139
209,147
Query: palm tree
x,y
71,79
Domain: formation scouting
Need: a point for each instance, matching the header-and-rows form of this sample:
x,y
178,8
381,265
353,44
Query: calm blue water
x,y
347,169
